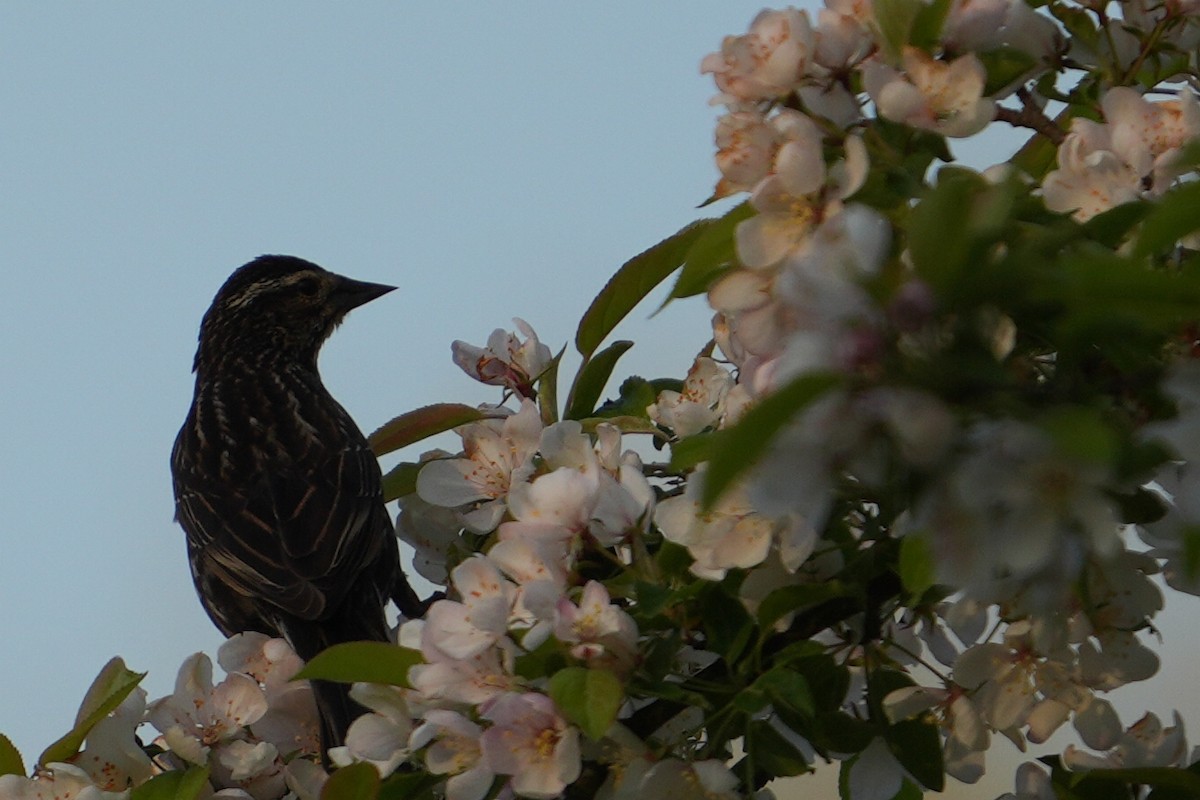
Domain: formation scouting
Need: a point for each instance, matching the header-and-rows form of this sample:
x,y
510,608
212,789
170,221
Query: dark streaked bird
x,y
275,486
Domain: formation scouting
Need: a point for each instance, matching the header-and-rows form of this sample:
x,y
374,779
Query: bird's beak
x,y
352,294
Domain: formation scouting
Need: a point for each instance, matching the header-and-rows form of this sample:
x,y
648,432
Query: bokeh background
x,y
493,161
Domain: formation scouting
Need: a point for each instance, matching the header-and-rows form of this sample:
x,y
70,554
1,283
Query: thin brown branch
x,y
1032,117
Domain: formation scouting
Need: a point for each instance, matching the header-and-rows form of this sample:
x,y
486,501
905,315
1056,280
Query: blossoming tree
x,y
912,492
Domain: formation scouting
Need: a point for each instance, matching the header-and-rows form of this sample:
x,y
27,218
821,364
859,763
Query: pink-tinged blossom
x,y
1001,680
381,737
112,755
1182,432
530,741
1113,658
598,631
765,63
467,628
290,722
1145,744
939,96
832,318
843,433
434,533
843,34
496,453
1032,783
1016,508
1090,178
624,503
975,25
252,768
472,680
506,360
56,781
966,734
554,509
802,193
982,25
732,535
1133,154
1064,697
746,147
199,716
1169,537
675,779
875,774
699,405
453,749
305,778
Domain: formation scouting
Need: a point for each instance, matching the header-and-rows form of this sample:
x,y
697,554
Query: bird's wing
x,y
297,538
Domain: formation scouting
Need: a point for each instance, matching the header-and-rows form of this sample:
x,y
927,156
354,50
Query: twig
x,y
1032,117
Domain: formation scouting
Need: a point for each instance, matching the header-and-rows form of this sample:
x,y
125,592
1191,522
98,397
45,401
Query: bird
x,y
276,488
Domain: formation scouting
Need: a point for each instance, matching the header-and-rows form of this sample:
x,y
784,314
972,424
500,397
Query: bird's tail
x,y
334,705
336,711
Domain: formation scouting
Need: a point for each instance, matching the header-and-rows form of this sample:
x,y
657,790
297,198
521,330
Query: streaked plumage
x,y
275,485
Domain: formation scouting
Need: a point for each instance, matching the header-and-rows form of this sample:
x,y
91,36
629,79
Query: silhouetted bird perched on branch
x,y
275,485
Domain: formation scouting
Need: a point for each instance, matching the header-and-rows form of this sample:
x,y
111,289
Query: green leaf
x,y
841,733
738,448
108,690
939,231
636,393
1110,300
712,254
1191,551
591,379
1081,433
411,786
1110,227
625,424
727,625
547,387
652,599
421,423
1172,218
918,747
689,452
356,782
784,601
895,19
590,698
175,785
770,753
828,681
636,278
1157,777
787,689
545,659
1005,66
10,758
917,568
401,480
366,662
927,25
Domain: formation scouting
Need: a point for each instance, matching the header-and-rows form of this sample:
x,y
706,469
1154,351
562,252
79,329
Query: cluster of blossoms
x,y
1013,520
933,457
1134,153
255,732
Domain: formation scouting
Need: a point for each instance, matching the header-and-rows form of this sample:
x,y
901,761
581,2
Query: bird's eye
x,y
308,287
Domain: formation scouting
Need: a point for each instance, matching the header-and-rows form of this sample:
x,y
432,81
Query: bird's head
x,y
278,307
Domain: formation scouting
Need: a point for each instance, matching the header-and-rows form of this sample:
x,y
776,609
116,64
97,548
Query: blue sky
x,y
492,162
